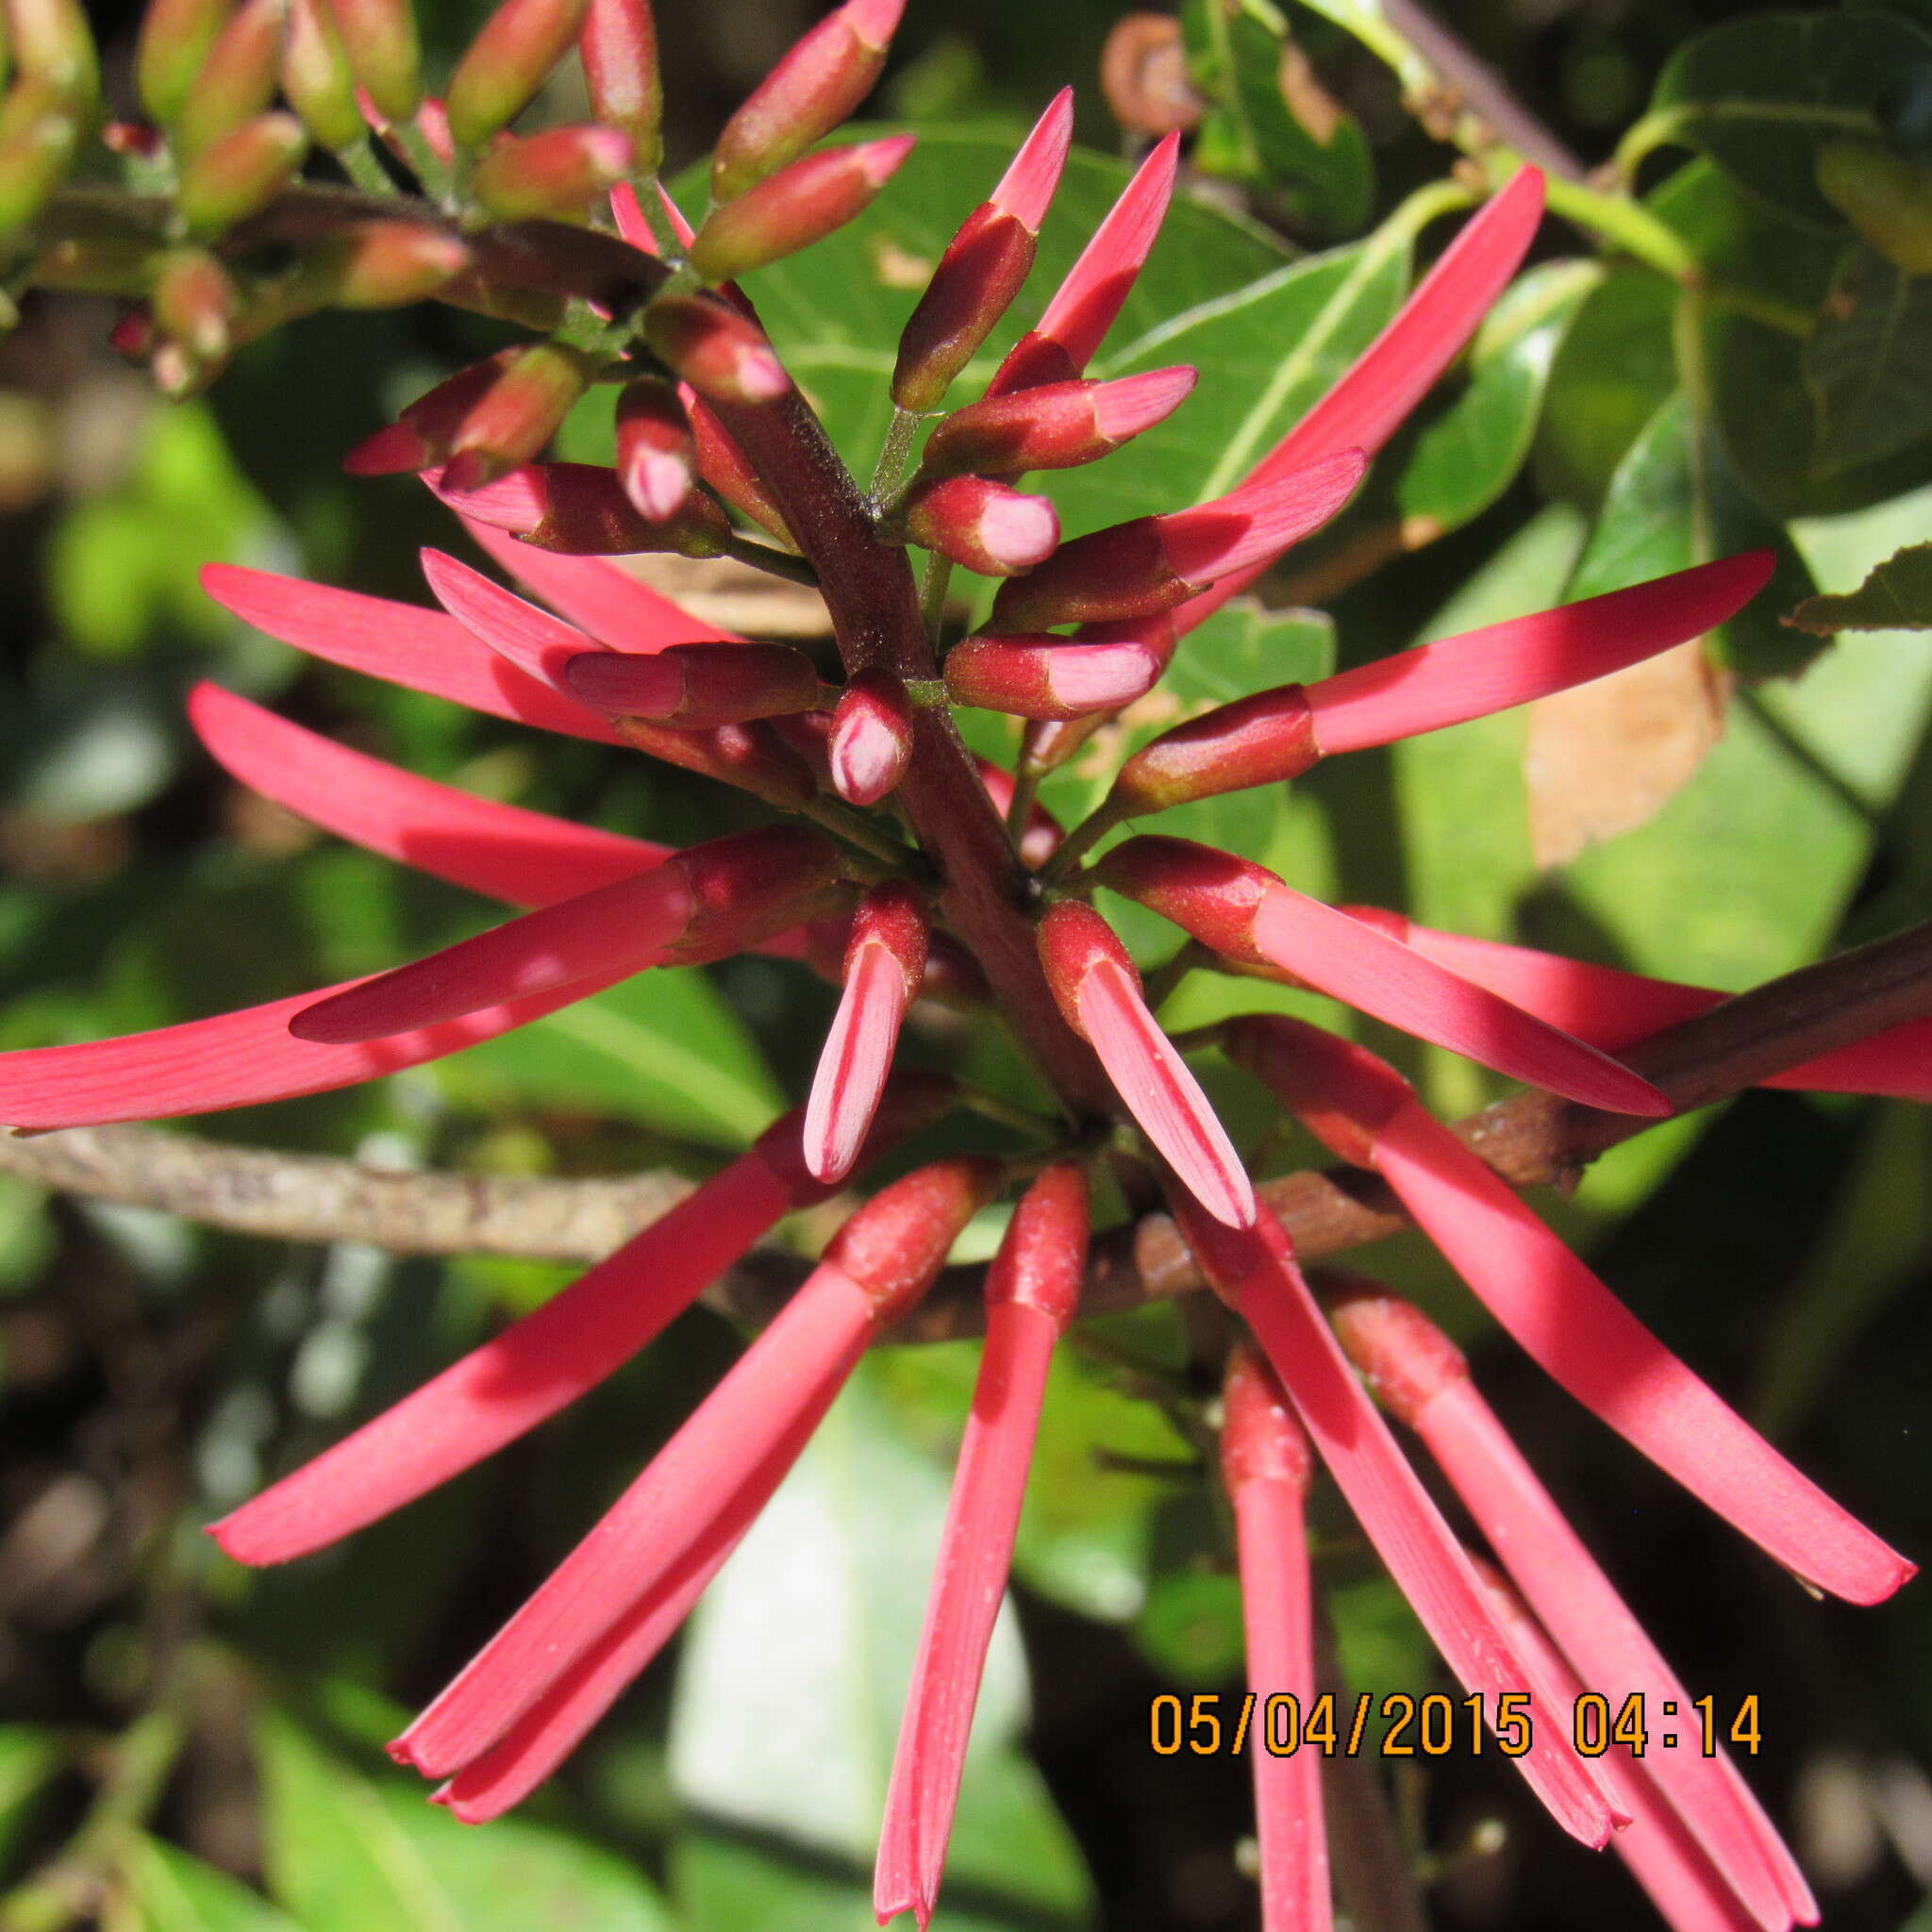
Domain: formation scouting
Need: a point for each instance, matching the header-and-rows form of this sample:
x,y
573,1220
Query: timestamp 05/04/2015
x,y
1434,1725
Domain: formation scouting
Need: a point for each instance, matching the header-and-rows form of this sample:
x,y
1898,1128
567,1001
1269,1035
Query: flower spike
x,y
877,1267
794,208
1151,563
1266,1465
546,1361
1053,426
710,899
885,960
1421,1378
1094,981
1084,306
1568,1321
1032,1291
1278,735
1242,910
983,525
984,266
1254,1271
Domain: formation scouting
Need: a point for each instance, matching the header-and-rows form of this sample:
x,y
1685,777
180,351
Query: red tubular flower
x,y
421,435
619,46
1567,1320
984,266
554,175
885,960
707,901
1152,563
1254,1271
983,525
1094,979
1421,1378
1084,306
519,632
1032,1291
1266,1465
807,94
1056,425
794,208
546,1361
1279,734
656,459
582,510
716,349
871,742
1047,677
1244,911
875,1269
695,686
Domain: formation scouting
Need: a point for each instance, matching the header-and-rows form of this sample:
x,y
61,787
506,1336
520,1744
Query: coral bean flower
x,y
870,846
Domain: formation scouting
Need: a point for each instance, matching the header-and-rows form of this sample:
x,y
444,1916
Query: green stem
x,y
670,247
858,830
895,458
1627,224
1020,806
775,563
1641,140
436,175
1080,841
932,596
365,170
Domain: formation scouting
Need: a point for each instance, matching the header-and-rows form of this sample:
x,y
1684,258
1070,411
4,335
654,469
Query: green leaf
x,y
1868,365
345,1854
1465,459
835,310
30,1758
1675,502
788,1702
174,1891
1762,95
664,1048
1895,595
1273,127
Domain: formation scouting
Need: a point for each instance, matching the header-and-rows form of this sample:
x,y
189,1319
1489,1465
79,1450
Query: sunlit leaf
x,y
1895,595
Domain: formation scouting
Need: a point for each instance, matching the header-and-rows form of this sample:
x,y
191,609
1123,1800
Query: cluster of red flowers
x,y
611,661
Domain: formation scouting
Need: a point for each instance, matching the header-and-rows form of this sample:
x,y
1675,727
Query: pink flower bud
x,y
984,266
871,743
554,175
697,686
1098,990
175,37
1263,740
382,264
1154,563
241,173
504,66
316,75
237,81
1052,426
420,438
982,525
794,208
654,454
716,349
193,302
807,94
619,46
520,411
1047,677
581,510
379,37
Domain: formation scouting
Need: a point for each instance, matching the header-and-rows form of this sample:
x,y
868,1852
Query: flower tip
x,y
1019,531
1101,677
1027,186
882,158
1134,403
874,20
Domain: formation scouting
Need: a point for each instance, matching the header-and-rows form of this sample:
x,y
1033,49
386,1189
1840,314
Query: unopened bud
x,y
728,471
508,62
697,686
1152,563
1053,426
983,525
984,267
794,208
1262,739
619,46
241,173
720,350
806,95
317,78
176,39
420,438
655,460
871,743
1209,893
382,264
193,301
1047,677
1043,1261
379,37
34,161
237,81
555,176
581,510
512,419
